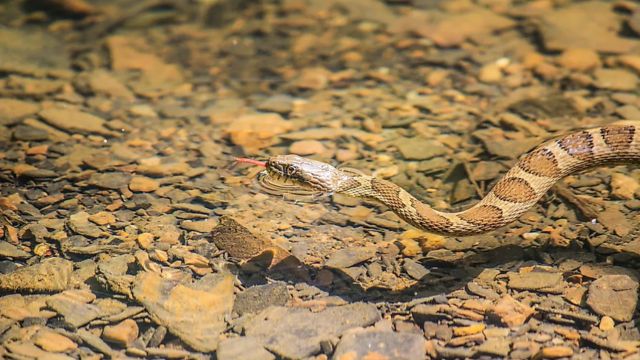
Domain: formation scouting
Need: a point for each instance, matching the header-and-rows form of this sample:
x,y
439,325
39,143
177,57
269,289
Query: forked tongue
x,y
250,161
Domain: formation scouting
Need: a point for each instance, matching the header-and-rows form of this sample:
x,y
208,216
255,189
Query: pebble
x,y
52,341
380,345
260,297
123,333
606,323
257,131
420,149
240,348
579,59
511,312
490,73
8,250
307,147
348,257
102,218
615,296
13,110
74,121
143,184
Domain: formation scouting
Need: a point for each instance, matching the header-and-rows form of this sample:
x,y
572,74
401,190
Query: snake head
x,y
303,172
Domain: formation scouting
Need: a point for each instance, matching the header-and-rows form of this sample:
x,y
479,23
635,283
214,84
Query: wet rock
x,y
179,306
297,333
75,310
490,73
585,25
307,147
414,269
22,51
623,186
416,148
52,274
537,281
260,297
143,184
52,341
94,341
555,352
11,251
314,78
123,333
101,82
348,257
102,218
579,59
13,110
614,295
383,345
510,312
74,121
615,79
281,104
204,226
111,181
79,223
32,172
113,272
28,133
240,348
257,131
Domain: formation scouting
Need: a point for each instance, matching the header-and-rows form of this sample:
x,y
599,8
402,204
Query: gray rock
x,y
279,103
241,348
258,298
80,224
380,345
297,333
11,251
28,133
614,295
414,269
75,313
348,257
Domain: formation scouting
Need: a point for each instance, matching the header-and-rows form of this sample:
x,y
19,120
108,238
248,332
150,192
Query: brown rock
x,y
315,78
632,61
623,186
614,295
143,184
52,341
123,333
74,121
52,274
490,73
12,110
256,131
615,79
606,323
579,59
555,352
307,147
510,311
102,218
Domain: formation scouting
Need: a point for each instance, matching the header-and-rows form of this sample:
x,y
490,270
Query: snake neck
x,y
518,190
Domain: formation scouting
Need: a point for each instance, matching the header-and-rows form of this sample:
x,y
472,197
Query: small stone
x,y
102,218
498,346
510,311
416,148
79,223
143,184
257,131
348,257
537,281
12,251
28,133
490,73
316,78
204,226
623,186
410,247
111,181
579,59
243,347
123,333
380,345
145,240
469,330
414,269
614,295
12,110
52,341
260,297
555,352
615,79
74,121
606,323
307,147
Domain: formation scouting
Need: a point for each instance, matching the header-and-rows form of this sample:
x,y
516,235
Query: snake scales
x,y
520,188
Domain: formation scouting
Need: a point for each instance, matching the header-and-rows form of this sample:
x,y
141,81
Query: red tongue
x,y
251,161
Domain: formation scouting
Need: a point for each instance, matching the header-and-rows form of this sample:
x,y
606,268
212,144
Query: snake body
x,y
516,192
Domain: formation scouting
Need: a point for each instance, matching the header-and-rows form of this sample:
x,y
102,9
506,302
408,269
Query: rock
x,y
194,312
257,131
615,296
307,147
123,333
495,346
113,273
297,333
414,269
316,78
11,251
204,226
102,218
260,297
52,341
380,345
79,223
32,172
606,323
348,257
282,104
111,181
13,110
490,73
76,311
615,79
537,281
510,312
28,133
22,51
579,59
623,186
416,148
101,82
554,352
143,184
585,25
74,121
243,347
631,61
52,274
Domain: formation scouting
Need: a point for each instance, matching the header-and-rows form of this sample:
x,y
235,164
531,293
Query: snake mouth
x,y
275,183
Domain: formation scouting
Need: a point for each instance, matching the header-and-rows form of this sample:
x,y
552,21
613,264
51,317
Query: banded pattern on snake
x,y
520,188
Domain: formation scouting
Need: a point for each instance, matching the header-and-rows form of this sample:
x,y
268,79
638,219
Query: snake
x,y
521,187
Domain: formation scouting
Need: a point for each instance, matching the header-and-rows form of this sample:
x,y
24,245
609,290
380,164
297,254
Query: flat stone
x,y
257,131
260,297
194,312
12,251
282,104
297,333
416,148
615,79
537,281
52,341
74,121
380,345
80,224
51,274
510,311
143,184
414,269
498,346
28,133
615,296
348,257
22,51
111,181
13,110
240,348
123,333
75,312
